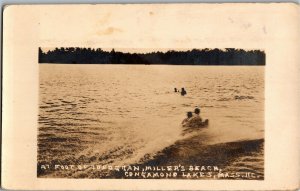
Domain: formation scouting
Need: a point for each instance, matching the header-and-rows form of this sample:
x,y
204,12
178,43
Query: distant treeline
x,y
228,56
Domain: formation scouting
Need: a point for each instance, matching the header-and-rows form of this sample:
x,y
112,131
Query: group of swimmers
x,y
183,92
194,120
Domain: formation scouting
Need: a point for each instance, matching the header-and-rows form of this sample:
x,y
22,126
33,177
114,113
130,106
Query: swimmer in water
x,y
183,92
186,120
195,121
197,114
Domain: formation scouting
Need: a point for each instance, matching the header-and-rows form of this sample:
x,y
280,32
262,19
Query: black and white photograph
x,y
141,114
151,96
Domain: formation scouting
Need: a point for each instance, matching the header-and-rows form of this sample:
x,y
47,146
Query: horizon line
x,y
150,50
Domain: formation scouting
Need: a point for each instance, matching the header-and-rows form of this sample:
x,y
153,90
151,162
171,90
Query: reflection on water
x,y
116,114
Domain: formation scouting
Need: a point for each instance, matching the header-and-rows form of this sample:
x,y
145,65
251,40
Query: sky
x,y
154,27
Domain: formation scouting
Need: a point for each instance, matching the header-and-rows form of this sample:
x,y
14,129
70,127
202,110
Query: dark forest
x,y
228,56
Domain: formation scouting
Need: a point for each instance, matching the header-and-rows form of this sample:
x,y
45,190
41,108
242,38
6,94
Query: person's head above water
x,y
197,111
189,114
182,89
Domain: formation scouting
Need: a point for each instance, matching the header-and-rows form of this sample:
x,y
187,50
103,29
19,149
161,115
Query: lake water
x,y
116,114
